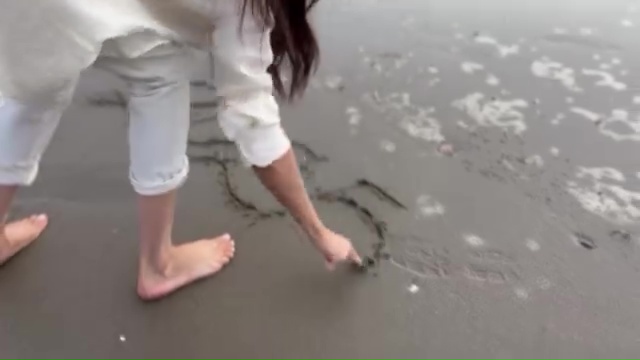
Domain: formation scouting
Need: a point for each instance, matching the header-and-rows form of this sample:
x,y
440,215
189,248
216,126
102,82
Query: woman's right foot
x,y
19,234
184,265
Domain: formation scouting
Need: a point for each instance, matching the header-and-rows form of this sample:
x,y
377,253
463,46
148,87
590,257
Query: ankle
x,y
159,265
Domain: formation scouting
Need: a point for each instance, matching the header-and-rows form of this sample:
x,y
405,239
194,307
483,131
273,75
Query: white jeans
x,y
159,106
158,86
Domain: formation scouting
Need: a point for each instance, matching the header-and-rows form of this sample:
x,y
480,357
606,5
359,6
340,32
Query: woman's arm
x,y
250,116
283,180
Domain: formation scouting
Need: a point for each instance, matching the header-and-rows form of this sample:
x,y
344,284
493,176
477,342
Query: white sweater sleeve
x,y
249,114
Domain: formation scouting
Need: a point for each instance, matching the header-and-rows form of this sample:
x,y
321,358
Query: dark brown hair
x,y
293,41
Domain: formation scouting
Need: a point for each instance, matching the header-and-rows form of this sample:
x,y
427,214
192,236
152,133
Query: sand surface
x,y
485,154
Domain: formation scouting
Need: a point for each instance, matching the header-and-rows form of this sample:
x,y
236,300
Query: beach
x,y
482,156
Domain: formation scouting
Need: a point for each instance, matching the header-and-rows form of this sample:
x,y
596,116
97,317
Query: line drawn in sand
x,y
222,154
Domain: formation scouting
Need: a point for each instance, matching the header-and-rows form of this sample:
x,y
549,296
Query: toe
x,y
27,229
230,250
225,247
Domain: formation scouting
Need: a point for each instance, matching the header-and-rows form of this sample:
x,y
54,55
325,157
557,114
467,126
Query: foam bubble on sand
x,y
507,164
587,114
533,245
559,30
616,61
503,50
543,283
505,114
463,125
388,146
605,66
334,82
374,64
586,31
433,70
413,288
554,151
122,338
471,67
492,80
597,57
601,173
535,160
600,192
619,125
355,116
547,69
428,206
401,62
627,23
606,79
474,240
636,99
422,126
416,121
434,82
556,120
521,293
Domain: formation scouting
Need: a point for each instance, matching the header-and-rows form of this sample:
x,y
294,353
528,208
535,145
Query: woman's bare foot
x,y
19,234
335,248
184,265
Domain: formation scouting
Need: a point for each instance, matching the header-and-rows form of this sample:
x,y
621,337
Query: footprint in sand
x,y
492,266
420,257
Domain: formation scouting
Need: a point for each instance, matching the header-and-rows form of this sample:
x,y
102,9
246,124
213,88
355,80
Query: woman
x,y
45,44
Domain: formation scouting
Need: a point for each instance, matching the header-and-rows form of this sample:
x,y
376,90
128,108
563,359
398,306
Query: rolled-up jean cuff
x,y
262,146
21,175
161,186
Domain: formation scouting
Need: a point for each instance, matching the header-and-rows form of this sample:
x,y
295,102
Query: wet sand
x,y
484,156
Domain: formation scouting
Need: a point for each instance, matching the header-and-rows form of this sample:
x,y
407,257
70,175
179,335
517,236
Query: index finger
x,y
354,257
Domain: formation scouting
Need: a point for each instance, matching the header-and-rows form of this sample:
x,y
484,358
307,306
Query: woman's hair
x,y
292,39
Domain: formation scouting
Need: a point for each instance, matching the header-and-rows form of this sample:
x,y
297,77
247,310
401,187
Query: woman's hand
x,y
283,180
335,248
